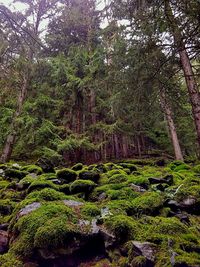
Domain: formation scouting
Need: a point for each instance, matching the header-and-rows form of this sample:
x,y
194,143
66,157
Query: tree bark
x,y
186,66
171,125
10,140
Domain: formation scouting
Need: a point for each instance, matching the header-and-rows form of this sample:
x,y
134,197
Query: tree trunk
x,y
186,66
171,126
10,140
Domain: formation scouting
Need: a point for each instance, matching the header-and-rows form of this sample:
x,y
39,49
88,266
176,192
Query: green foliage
x,y
90,210
47,194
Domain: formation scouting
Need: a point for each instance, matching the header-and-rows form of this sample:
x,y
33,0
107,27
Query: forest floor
x,y
137,213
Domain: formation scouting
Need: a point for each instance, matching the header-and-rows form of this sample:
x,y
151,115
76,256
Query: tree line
x,y
80,83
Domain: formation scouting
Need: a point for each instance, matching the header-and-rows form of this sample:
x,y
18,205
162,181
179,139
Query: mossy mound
x,y
102,208
66,175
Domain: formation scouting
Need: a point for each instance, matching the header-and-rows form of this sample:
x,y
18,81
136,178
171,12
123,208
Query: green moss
x,y
118,178
28,227
66,175
33,169
109,174
129,166
124,193
187,259
27,180
90,210
139,261
10,260
196,169
3,184
80,186
47,194
55,233
148,203
139,180
39,184
120,207
14,173
123,227
89,175
178,165
77,167
186,191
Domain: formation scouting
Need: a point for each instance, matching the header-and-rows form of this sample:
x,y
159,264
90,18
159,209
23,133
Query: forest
x,y
99,133
80,83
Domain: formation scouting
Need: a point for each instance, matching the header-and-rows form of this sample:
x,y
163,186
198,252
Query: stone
x,y
137,188
146,249
168,179
3,241
28,209
73,203
46,165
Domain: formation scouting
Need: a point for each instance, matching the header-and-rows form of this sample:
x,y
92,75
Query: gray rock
x,y
146,249
28,209
73,203
3,242
137,188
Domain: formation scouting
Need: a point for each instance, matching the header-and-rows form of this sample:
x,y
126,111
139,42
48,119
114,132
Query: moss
x,y
14,173
28,227
187,259
47,176
89,175
124,193
196,169
77,167
109,174
178,165
10,260
39,184
186,191
90,210
139,261
129,166
120,207
47,194
80,186
3,184
66,175
3,166
55,233
32,169
148,203
139,180
118,178
123,227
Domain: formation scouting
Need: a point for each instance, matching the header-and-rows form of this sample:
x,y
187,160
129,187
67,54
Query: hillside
x,y
136,213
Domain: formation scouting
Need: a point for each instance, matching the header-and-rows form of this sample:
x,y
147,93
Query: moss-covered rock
x,y
89,175
47,194
148,203
12,173
77,167
90,210
82,186
41,184
6,206
129,166
32,169
118,178
9,259
29,228
66,175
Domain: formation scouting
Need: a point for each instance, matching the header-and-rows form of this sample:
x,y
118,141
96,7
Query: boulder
x,y
168,179
145,250
46,165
